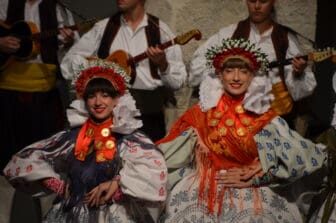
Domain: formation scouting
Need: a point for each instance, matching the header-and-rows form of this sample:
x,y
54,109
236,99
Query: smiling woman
x,y
236,80
101,166
100,105
230,157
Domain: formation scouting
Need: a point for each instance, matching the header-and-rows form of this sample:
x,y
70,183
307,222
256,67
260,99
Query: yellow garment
x,y
283,102
28,77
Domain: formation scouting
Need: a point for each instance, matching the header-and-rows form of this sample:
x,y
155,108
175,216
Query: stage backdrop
x,y
209,17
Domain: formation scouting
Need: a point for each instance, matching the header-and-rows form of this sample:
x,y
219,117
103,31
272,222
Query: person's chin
x,y
257,18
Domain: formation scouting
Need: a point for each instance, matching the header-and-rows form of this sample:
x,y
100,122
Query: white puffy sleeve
x,y
176,74
40,160
198,68
298,87
144,172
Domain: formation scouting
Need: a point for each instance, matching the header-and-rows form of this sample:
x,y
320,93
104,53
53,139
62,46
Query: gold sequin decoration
x,y
109,144
239,109
105,132
229,122
222,131
250,128
81,155
90,132
213,122
246,121
217,148
99,145
218,114
100,157
241,132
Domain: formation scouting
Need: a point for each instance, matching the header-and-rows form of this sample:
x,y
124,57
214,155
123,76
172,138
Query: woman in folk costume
x,y
229,154
102,169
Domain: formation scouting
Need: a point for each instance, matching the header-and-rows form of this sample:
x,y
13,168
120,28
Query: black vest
x,y
48,19
279,39
152,33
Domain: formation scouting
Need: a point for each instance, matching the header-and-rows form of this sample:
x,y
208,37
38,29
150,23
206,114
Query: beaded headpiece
x,y
100,69
237,48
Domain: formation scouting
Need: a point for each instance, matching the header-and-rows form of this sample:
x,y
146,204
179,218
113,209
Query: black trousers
x,y
26,118
151,104
154,125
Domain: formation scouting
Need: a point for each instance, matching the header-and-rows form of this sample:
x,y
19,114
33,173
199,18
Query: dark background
x,y
324,97
90,8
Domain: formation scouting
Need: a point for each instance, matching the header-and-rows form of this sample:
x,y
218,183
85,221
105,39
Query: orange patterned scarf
x,y
98,137
227,132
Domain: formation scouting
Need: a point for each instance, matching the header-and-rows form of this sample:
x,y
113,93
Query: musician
x,y
290,83
31,107
135,31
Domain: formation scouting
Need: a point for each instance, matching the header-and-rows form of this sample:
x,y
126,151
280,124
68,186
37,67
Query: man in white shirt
x,y
135,32
290,83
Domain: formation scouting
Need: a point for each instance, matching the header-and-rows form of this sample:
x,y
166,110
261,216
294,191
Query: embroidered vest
x,y
283,102
47,11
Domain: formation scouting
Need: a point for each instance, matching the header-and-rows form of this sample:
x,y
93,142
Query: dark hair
x,y
99,85
236,63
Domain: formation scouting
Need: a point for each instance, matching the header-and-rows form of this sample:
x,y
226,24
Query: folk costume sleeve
x,y
144,172
304,85
176,74
286,154
41,160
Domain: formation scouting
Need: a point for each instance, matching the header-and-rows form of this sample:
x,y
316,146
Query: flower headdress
x,y
100,69
236,48
125,112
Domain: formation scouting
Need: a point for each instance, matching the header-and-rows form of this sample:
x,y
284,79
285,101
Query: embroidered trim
x,y
54,185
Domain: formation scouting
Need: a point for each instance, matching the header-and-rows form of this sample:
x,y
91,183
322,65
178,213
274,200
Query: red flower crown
x,y
110,72
244,55
237,48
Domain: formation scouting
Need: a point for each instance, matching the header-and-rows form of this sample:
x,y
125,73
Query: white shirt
x,y
31,14
134,43
297,87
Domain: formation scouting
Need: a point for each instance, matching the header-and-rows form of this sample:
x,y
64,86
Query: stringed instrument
x,y
30,37
128,62
317,56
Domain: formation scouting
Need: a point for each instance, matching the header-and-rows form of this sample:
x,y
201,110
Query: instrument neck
x,y
144,55
285,62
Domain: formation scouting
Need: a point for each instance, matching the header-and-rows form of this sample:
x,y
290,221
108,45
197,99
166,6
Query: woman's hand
x,y
101,194
239,177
